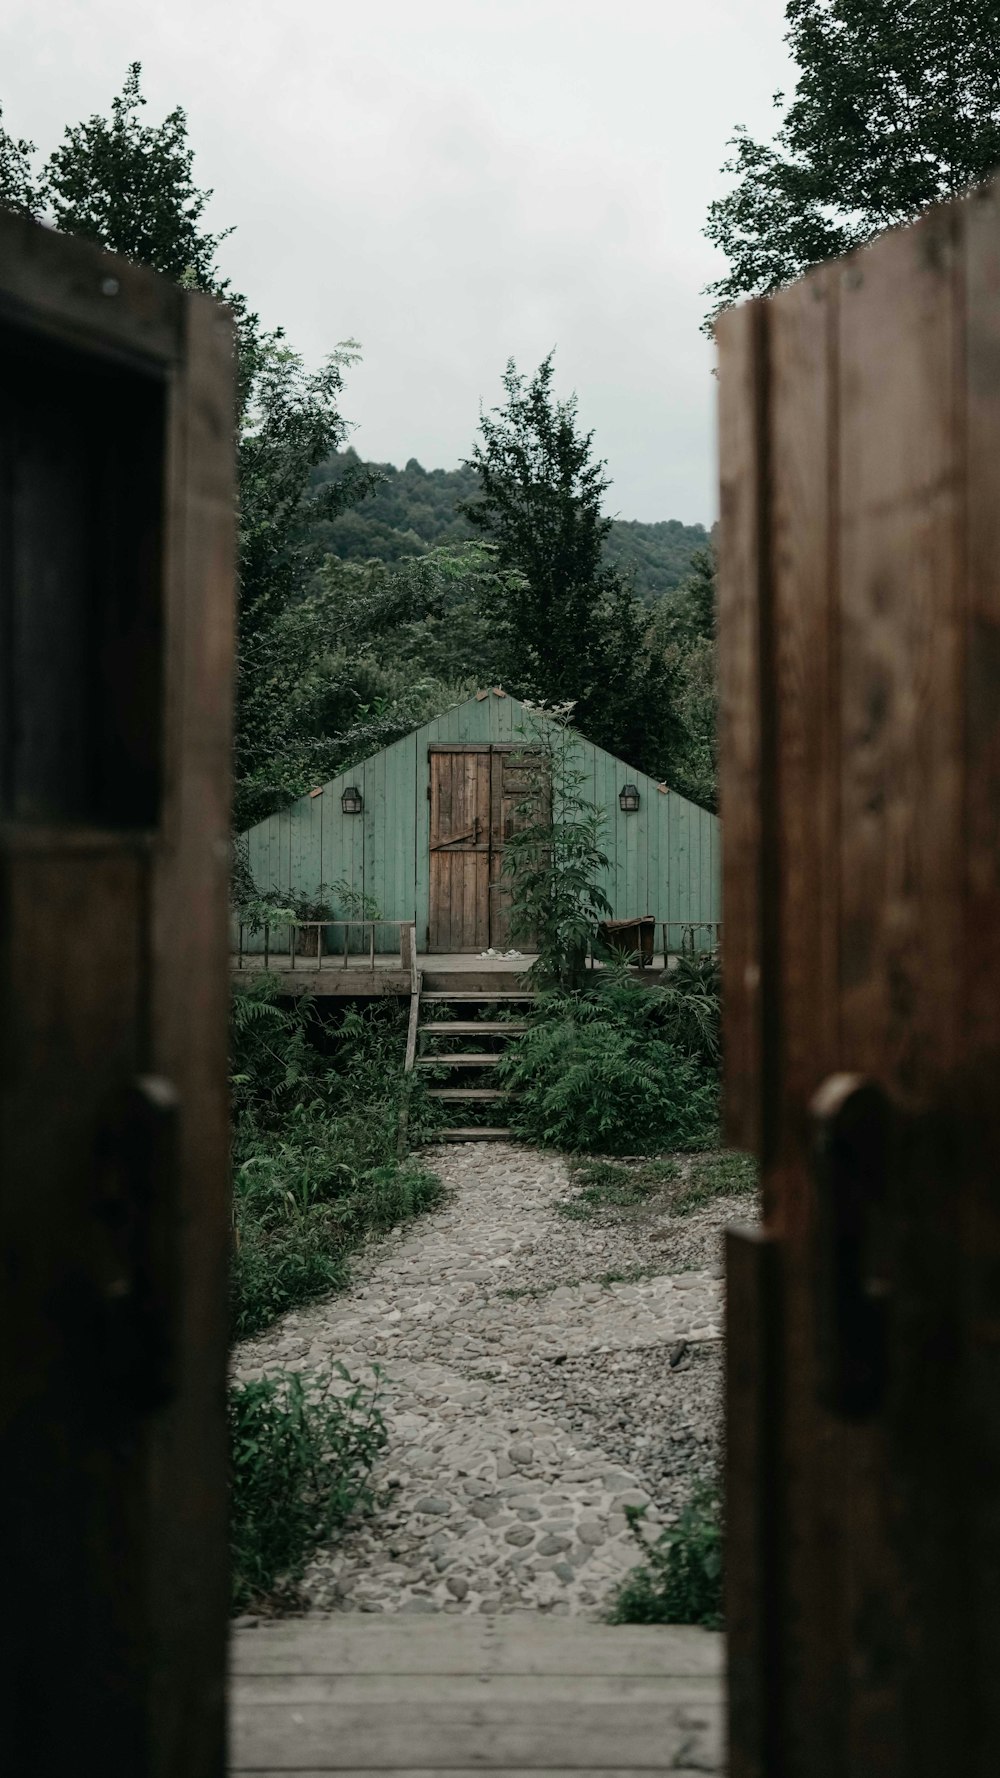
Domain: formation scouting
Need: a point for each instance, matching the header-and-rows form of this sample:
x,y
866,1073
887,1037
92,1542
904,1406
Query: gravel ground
x,y
540,1372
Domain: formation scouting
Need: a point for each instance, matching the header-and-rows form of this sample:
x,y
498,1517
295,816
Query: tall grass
x,y
300,1463
315,1169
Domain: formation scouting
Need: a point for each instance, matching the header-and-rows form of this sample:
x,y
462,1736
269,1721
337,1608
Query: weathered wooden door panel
x,y
479,796
860,661
460,849
519,797
116,575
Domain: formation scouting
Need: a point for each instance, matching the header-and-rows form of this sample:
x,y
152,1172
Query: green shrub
x,y
690,1007
680,1581
618,1068
315,1167
300,1466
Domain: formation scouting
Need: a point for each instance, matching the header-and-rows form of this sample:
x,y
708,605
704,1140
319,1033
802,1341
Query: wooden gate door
x,y
860,660
116,577
460,849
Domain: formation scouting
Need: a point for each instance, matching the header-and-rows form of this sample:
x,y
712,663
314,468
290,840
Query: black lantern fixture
x,y
628,797
352,802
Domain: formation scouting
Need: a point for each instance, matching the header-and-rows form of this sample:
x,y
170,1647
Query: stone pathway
x,y
528,1390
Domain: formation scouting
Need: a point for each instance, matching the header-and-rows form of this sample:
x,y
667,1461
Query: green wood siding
x,y
664,859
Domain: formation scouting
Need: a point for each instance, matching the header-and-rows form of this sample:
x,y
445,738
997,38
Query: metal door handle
x,y
852,1138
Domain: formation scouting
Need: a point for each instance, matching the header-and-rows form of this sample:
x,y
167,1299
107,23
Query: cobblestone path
x,y
539,1374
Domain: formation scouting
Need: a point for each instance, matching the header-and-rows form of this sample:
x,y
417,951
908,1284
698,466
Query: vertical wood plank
x,y
901,815
332,866
742,372
672,874
189,1597
981,954
421,840
355,832
409,828
902,786
618,851
800,686
376,835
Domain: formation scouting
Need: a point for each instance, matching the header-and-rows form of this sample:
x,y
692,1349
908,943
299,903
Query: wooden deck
x,y
439,971
511,1695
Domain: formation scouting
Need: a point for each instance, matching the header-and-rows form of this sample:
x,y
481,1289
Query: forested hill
x,y
414,509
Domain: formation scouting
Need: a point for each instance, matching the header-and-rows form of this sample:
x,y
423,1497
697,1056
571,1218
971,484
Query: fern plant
x,y
554,857
620,1068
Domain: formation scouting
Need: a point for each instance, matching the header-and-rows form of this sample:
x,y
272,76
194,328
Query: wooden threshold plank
x,y
445,1737
522,1644
473,1771
474,1688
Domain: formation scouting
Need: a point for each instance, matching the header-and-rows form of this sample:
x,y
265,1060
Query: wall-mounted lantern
x,y
352,802
628,797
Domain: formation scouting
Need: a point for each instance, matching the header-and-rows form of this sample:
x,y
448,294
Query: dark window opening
x,y
81,587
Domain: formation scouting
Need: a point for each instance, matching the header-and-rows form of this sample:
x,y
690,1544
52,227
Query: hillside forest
x,y
371,597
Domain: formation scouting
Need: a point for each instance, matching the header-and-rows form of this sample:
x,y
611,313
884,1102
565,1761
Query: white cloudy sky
x,y
453,182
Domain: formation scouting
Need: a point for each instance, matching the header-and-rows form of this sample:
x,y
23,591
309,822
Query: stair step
x,y
467,1061
485,1133
464,997
472,1027
465,1093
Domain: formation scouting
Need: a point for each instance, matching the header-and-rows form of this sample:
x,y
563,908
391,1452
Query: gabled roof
x,y
491,716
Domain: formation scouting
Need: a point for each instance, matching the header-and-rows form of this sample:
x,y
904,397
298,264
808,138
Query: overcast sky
x,y
453,182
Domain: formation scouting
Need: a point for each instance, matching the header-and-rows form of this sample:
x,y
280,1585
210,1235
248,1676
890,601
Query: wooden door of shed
x,y
116,639
860,663
520,797
460,842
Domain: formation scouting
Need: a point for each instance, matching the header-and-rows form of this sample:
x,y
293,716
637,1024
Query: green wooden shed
x,y
418,829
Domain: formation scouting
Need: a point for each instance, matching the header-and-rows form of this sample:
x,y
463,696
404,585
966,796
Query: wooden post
x,y
407,945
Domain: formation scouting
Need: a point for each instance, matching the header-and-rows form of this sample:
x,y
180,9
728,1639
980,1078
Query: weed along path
x,y
550,1350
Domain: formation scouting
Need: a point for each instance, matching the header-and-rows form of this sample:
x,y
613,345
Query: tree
x,y
897,105
568,628
682,632
555,856
18,190
130,187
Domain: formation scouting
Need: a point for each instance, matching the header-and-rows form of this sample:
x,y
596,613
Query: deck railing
x,y
686,941
679,937
688,930
404,928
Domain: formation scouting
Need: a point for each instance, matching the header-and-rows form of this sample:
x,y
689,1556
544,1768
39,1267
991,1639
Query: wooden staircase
x,y
469,1068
